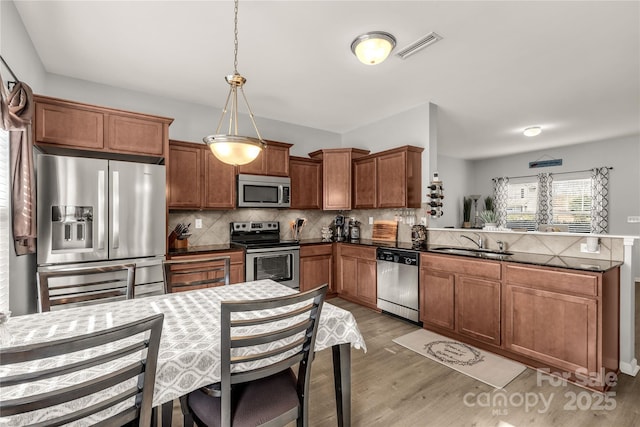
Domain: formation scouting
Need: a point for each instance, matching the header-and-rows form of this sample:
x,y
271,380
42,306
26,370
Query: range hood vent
x,y
418,45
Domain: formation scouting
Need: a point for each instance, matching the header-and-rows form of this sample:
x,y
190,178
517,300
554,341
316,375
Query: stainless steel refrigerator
x,y
98,212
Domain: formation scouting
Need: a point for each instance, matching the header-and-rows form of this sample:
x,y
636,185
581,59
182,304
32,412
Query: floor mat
x,y
484,366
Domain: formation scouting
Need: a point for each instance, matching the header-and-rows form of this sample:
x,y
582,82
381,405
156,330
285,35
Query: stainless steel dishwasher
x,y
398,282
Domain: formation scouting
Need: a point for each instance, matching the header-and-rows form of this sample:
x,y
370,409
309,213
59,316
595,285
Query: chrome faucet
x,y
479,242
500,245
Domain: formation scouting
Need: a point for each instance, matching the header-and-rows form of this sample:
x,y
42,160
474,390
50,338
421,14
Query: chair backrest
x,y
71,287
188,274
259,331
127,359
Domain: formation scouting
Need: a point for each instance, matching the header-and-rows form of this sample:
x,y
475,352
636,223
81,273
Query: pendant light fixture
x,y
374,47
232,148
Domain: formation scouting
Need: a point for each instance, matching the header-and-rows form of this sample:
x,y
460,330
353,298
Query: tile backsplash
x,y
215,224
611,248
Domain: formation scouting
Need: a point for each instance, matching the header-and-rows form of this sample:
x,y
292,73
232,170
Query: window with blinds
x,y
571,203
522,204
5,217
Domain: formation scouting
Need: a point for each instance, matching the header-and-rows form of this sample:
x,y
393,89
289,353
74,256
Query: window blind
x,y
5,219
522,204
572,204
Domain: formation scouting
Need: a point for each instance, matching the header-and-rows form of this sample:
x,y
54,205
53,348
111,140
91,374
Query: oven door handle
x,y
278,249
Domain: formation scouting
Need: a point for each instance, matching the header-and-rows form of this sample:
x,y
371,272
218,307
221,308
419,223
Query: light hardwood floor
x,y
393,386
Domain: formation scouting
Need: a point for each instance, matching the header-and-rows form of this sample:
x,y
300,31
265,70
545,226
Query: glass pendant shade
x,y
374,47
234,150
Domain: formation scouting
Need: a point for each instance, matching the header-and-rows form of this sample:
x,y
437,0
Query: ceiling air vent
x,y
418,45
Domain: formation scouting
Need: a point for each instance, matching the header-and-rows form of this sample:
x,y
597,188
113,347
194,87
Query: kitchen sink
x,y
480,253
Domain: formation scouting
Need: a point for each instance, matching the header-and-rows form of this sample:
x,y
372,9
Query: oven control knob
x,y
408,261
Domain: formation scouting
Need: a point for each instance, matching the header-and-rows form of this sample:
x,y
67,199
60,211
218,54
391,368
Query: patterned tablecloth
x,y
189,354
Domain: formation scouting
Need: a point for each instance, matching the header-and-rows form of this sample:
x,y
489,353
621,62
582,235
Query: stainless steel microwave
x,y
258,191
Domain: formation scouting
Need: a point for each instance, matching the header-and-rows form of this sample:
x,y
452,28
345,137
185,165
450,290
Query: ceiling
x,y
571,67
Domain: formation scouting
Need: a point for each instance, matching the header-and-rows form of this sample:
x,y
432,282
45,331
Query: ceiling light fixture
x,y
232,148
532,131
374,47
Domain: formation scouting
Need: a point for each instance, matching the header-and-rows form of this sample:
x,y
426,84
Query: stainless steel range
x,y
266,256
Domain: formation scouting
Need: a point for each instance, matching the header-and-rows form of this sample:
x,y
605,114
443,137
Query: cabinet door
x,y
306,183
478,308
437,298
315,271
219,183
70,127
256,167
277,160
392,180
552,327
364,183
367,282
133,135
348,276
336,180
184,176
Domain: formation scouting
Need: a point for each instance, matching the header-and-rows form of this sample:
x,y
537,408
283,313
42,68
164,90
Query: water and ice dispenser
x,y
72,227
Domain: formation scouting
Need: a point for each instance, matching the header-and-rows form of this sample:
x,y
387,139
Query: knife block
x,y
175,243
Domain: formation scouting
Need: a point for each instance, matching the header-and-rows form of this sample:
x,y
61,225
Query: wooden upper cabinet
x,y
364,183
136,136
336,176
273,161
196,179
388,179
70,127
306,183
219,183
184,175
62,124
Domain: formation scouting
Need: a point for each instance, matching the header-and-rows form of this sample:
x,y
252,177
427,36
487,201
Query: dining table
x,y
189,353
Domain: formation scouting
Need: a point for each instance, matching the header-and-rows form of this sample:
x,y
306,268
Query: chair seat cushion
x,y
253,403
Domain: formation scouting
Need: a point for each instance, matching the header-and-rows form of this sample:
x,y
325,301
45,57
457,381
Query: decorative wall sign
x,y
545,163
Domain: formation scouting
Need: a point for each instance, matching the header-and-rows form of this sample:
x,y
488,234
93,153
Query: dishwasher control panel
x,y
397,256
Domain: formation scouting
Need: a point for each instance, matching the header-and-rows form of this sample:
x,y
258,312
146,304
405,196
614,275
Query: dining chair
x,y
116,365
261,340
188,274
70,287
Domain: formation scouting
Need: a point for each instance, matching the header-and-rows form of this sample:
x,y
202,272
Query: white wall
x,y
410,127
456,180
16,48
620,153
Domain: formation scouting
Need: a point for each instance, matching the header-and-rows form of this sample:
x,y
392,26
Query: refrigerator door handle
x,y
102,214
116,210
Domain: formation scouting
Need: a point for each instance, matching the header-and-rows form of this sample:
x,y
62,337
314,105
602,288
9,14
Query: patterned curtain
x,y
501,196
599,200
544,213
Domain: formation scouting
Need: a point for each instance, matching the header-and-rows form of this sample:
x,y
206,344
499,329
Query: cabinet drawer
x,y
553,280
313,250
236,256
462,265
358,251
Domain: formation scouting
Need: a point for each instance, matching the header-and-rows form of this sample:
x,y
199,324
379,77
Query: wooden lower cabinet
x,y
560,320
356,277
461,299
564,319
316,266
236,274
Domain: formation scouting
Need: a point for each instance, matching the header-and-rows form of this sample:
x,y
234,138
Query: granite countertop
x,y
583,264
